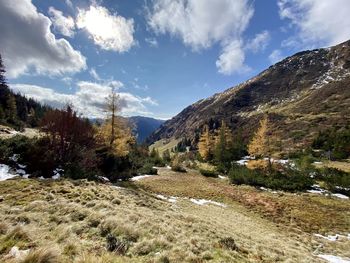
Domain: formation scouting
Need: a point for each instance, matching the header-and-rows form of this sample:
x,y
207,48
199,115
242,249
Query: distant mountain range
x,y
144,126
303,94
141,126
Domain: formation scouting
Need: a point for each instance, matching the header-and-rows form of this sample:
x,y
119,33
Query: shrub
x,y
208,173
178,168
228,243
148,169
287,180
115,168
334,180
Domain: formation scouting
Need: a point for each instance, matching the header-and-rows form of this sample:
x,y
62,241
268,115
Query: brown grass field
x,y
71,221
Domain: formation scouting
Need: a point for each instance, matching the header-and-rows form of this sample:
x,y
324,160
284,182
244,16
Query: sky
x,y
160,55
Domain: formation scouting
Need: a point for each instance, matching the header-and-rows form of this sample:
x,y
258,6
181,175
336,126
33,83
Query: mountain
x,y
303,94
144,126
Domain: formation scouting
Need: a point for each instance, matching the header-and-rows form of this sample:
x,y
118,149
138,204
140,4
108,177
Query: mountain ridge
x,y
310,85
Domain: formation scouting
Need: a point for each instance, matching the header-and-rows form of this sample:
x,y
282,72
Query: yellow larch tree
x,y
205,144
115,131
259,146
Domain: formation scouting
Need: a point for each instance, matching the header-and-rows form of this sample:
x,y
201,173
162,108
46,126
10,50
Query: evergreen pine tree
x,y
11,108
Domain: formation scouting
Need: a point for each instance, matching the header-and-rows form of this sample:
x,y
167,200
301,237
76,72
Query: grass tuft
x,y
42,255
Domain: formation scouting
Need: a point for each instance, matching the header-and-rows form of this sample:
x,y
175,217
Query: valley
x,y
165,131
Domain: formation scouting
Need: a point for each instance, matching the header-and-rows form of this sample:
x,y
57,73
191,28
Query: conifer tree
x,y
260,144
166,155
2,114
11,108
223,146
115,132
205,144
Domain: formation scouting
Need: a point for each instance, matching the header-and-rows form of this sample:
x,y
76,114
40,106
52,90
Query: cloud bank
x,y
27,43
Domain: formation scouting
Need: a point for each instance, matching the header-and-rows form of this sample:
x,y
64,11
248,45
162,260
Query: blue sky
x,y
161,55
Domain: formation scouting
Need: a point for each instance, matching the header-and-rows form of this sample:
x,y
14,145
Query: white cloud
x,y
275,56
110,32
201,24
319,22
64,25
259,42
152,42
232,59
89,98
26,42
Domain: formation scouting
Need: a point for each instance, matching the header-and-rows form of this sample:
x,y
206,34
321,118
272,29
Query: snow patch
x,y
222,177
57,173
316,189
5,172
140,177
204,202
334,259
171,199
341,196
329,237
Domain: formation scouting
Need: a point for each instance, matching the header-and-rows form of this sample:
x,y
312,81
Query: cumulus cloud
x,y
64,25
109,31
232,59
89,98
201,24
275,56
26,42
259,42
318,22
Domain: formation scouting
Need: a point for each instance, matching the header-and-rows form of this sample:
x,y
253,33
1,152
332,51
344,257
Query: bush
x,y
148,169
178,168
228,243
334,180
208,173
115,168
287,180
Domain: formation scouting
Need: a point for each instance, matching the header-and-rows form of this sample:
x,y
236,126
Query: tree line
x,y
16,110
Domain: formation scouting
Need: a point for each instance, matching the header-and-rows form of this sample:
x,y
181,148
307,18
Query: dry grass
x,y
344,166
308,212
83,222
165,144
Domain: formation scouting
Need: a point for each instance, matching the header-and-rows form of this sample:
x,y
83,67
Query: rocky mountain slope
x,y
144,126
304,93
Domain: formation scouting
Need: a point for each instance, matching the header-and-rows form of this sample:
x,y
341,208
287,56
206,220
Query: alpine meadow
x,y
171,131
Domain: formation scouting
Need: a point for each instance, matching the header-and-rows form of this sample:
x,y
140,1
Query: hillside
x,y
144,126
303,94
161,219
